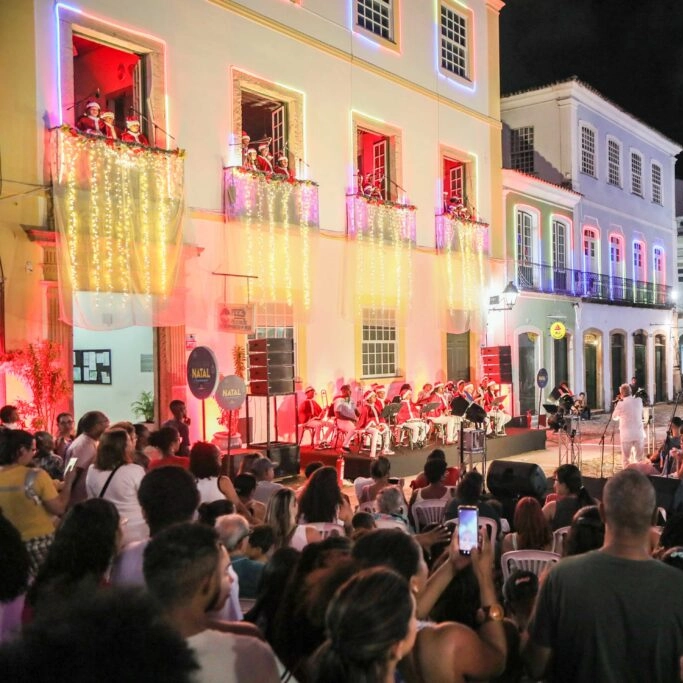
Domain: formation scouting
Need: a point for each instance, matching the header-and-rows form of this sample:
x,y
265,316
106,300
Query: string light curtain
x,y
382,236
118,214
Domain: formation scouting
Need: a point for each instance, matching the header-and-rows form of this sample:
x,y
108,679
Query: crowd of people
x,y
134,555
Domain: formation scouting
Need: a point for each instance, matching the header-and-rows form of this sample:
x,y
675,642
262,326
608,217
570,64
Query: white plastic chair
x,y
326,529
428,512
531,560
559,537
246,604
391,524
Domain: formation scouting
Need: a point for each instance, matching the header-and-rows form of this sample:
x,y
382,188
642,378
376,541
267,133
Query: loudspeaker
x,y
497,363
513,479
665,490
271,366
594,486
284,455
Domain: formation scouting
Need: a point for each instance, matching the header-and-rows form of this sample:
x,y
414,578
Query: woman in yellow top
x,y
28,497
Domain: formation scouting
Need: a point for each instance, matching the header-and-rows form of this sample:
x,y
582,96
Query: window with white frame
x,y
273,319
587,150
656,179
376,16
525,245
454,42
638,260
658,264
636,174
522,149
590,243
455,180
559,244
613,162
616,253
379,343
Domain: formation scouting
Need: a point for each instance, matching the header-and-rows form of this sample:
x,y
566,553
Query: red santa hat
x,y
281,159
132,121
245,135
469,386
264,146
450,384
461,382
368,394
438,384
406,392
491,384
107,115
92,103
484,379
309,388
379,387
250,150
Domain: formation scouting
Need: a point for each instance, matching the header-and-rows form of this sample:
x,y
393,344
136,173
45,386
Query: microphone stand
x,y
83,99
156,127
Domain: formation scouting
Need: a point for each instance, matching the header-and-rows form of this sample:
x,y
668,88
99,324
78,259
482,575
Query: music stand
x,y
428,407
498,400
550,408
389,412
475,413
459,406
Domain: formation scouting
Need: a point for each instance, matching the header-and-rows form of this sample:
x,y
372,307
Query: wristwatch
x,y
493,612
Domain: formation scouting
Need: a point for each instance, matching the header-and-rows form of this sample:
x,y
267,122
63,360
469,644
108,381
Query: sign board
x,y
231,392
202,372
235,318
542,378
558,330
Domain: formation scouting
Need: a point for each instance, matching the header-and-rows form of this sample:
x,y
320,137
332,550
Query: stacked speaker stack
x,y
497,363
271,367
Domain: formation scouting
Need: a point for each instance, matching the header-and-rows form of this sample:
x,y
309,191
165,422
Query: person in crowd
x,y
167,441
111,636
233,532
469,492
84,448
310,416
264,472
532,530
185,570
274,579
260,543
586,532
308,471
167,496
434,470
672,533
80,556
14,577
380,471
205,466
281,516
629,413
674,558
323,500
571,495
361,523
616,614
371,626
247,462
65,433
450,478
28,497
46,458
245,486
9,418
141,443
391,508
208,513
346,414
181,423
115,477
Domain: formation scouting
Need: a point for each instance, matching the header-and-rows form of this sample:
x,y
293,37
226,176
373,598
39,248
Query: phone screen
x,y
468,528
70,465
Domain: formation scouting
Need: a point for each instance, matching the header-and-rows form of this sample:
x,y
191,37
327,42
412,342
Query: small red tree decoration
x,y
38,365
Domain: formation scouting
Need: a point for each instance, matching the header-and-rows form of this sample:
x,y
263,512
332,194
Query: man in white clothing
x,y
185,570
629,412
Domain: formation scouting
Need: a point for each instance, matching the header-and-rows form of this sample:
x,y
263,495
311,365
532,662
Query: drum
x,y
473,439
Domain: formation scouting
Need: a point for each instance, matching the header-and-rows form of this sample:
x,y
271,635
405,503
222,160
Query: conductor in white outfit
x,y
629,413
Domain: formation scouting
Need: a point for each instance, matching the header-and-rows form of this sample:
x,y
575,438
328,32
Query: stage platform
x,y
406,462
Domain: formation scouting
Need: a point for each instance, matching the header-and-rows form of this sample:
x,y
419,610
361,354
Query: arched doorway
x,y
592,368
618,361
661,388
527,371
640,357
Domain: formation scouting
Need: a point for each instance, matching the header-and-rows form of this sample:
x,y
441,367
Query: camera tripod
x,y
569,441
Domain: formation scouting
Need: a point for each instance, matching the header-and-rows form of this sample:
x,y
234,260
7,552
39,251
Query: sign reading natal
x,y
202,372
558,330
231,392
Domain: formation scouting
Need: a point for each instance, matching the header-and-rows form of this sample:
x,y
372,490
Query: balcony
x,y
536,277
254,196
461,235
381,221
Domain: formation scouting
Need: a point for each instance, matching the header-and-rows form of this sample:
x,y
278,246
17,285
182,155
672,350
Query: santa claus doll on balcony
x,y
108,127
282,169
90,122
264,158
133,132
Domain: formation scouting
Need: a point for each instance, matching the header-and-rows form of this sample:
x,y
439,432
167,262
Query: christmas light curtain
x,y
118,216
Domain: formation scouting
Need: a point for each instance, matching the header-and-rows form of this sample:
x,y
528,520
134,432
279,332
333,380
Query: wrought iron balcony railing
x,y
538,277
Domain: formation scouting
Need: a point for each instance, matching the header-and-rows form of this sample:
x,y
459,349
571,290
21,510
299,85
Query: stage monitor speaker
x,y
497,363
665,490
594,486
284,455
512,479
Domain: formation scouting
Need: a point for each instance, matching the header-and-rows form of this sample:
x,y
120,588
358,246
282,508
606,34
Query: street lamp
x,y
506,300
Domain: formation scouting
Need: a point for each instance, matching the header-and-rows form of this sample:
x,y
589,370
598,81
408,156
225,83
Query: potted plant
x,y
144,406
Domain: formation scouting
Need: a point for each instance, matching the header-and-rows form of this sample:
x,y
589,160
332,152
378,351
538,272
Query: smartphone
x,y
70,465
468,528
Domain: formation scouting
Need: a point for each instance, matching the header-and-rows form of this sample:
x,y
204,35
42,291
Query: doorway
x,y
591,364
661,392
618,362
527,371
458,356
640,358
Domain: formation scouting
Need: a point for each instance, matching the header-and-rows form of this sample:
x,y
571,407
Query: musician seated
x,y
424,396
581,407
664,459
442,414
408,417
498,418
345,414
372,422
311,416
381,393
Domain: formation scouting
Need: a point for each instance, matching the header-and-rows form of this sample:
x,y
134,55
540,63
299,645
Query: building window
x,y
454,180
680,274
522,149
375,167
658,265
590,241
273,320
615,252
636,174
525,245
376,16
454,42
559,244
656,183
588,151
379,345
265,120
638,261
613,162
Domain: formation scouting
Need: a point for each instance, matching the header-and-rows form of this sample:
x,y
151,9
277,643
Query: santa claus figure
x,y
133,133
245,147
264,163
282,169
108,127
250,162
91,122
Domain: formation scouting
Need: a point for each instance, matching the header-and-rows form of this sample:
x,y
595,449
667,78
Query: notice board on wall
x,y
92,366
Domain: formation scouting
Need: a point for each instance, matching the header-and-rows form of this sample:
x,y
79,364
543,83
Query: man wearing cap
x,y
282,169
264,471
108,127
90,122
373,423
408,417
310,415
263,159
133,133
442,414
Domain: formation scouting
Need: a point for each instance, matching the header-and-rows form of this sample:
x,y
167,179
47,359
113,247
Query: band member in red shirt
x,y
311,414
371,421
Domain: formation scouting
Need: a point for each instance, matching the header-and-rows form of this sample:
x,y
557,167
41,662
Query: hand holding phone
x,y
468,528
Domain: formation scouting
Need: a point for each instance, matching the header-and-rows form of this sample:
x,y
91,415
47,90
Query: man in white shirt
x,y
84,448
629,412
185,570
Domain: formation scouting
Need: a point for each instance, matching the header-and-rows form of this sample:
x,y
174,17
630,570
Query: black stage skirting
x,y
407,463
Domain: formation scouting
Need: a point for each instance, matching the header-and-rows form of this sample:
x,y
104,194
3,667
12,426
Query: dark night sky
x,y
631,52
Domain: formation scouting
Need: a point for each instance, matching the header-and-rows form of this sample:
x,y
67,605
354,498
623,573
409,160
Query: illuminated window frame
x,y
560,243
455,56
658,265
616,255
379,343
613,162
656,180
469,170
637,174
638,263
588,150
363,26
